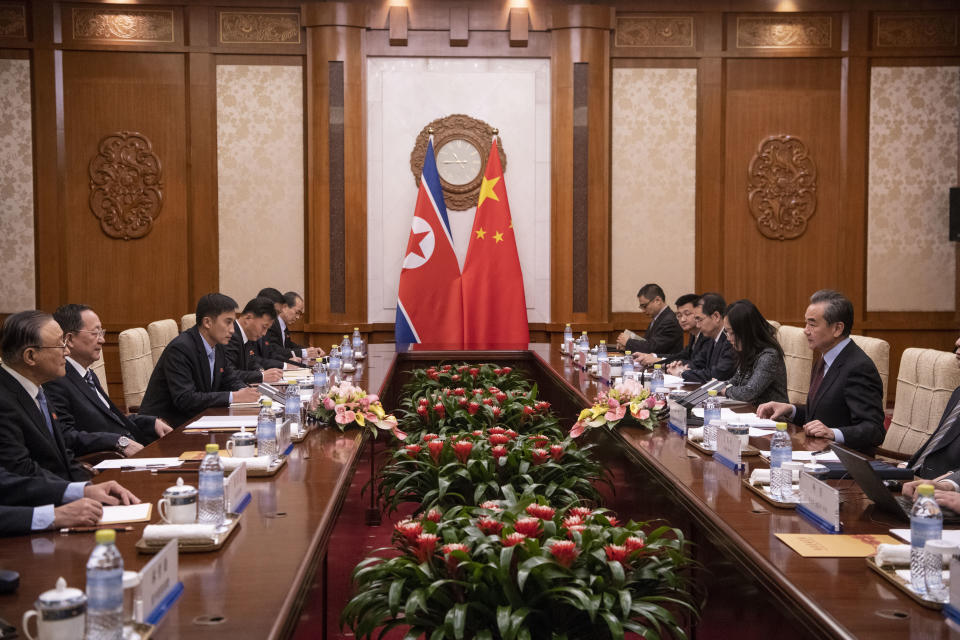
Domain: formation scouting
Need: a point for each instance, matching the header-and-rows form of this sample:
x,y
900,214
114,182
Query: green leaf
x,y
616,629
456,620
523,571
396,590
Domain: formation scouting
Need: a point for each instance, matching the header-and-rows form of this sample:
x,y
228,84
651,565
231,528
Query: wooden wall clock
x,y
461,144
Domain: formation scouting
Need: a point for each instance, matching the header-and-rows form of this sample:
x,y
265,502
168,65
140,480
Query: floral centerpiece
x,y
626,400
345,405
526,570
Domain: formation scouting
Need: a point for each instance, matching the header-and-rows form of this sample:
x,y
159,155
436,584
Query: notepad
x,y
124,513
808,456
137,463
817,545
223,422
950,535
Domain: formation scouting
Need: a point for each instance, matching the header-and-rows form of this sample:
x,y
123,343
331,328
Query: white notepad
x,y
124,513
220,422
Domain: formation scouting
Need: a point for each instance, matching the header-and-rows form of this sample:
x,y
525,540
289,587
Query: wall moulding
x,y
654,31
909,31
251,27
784,32
91,24
126,186
782,187
13,21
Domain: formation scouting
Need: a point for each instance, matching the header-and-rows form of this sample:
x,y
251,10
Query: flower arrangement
x,y
627,399
345,405
524,570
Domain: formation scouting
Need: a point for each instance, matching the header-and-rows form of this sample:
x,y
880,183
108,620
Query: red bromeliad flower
x,y
489,526
493,505
510,433
497,372
505,371
556,451
564,552
462,450
613,521
448,550
498,451
434,515
412,450
472,408
446,368
501,397
436,448
528,527
409,529
463,368
426,544
496,412
514,539
477,392
455,377
527,410
583,512
497,430
478,433
430,436
616,553
438,409
498,438
540,456
634,543
539,439
576,528
422,410
459,392
541,511
474,372
572,521
488,402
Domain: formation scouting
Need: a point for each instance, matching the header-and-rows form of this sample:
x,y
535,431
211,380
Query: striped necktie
x,y
938,436
45,410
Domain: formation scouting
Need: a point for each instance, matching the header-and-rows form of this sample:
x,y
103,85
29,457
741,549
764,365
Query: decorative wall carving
x,y
915,31
782,187
654,31
478,133
124,25
126,188
787,32
13,21
241,27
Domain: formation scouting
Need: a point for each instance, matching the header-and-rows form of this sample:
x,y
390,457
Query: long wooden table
x,y
756,586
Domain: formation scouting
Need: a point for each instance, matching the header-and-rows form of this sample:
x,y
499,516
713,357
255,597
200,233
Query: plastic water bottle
x,y
660,395
291,402
656,381
568,339
357,343
627,368
105,589
711,414
584,344
267,431
333,365
210,495
781,451
602,355
926,523
346,353
319,377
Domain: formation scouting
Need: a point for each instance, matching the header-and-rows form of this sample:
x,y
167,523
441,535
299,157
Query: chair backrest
x,y
161,332
799,360
926,380
100,369
774,324
187,321
136,364
879,352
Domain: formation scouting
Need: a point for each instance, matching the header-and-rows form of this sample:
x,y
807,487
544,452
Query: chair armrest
x,y
880,452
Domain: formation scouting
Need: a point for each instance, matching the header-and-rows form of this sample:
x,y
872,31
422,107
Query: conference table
x,y
255,586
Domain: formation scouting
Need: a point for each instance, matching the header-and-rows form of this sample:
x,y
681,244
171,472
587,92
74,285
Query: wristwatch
x,y
122,443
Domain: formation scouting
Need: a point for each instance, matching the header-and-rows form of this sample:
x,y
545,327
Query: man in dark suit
x,y
244,349
714,358
36,504
686,316
664,335
78,399
193,373
845,401
277,344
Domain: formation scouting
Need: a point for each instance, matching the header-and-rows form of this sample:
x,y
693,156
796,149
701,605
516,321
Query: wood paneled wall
x,y
753,82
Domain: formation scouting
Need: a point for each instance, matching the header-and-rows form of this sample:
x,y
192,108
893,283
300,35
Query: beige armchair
x,y
879,352
187,321
926,380
136,365
799,360
774,324
161,333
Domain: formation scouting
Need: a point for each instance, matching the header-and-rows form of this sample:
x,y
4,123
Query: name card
x,y
235,487
159,583
678,417
605,370
951,610
283,437
819,502
582,360
728,449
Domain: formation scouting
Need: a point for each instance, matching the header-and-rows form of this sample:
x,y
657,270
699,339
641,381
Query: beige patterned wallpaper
x,y
654,182
16,188
260,176
911,265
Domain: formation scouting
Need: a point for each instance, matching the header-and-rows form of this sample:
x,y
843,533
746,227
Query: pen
x,y
143,467
66,530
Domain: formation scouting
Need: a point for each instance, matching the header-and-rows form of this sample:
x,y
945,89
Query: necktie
x,y
42,400
210,358
92,381
815,381
944,429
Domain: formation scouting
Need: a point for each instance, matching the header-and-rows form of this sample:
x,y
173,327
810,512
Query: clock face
x,y
458,162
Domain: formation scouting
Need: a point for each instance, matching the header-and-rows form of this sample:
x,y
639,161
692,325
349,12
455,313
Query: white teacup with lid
x,y
61,614
178,504
242,444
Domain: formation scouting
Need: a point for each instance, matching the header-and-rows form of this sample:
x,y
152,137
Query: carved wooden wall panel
x,y
786,32
654,31
912,31
126,187
122,25
13,21
782,189
242,27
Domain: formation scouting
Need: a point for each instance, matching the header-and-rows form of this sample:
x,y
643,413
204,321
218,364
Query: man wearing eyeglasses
x,y
79,400
664,335
277,343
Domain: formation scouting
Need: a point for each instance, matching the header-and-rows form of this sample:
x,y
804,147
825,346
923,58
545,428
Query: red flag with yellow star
x,y
494,307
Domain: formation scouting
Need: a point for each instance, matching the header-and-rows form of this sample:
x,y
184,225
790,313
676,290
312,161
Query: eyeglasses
x,y
62,346
643,305
99,333
298,314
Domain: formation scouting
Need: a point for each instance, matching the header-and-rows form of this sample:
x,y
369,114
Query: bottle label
x,y
266,428
105,589
211,484
780,455
923,529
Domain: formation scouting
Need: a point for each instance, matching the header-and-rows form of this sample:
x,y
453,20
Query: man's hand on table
x,y
272,375
817,429
248,394
949,499
110,492
676,368
132,449
773,410
79,513
162,428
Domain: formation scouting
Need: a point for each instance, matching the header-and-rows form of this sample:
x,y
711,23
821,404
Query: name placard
x,y
728,450
819,502
283,437
158,580
235,487
951,609
678,417
605,370
582,360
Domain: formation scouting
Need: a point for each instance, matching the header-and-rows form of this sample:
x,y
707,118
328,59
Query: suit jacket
x,y
279,346
26,445
78,408
23,491
715,359
16,521
242,356
180,386
664,335
850,399
946,455
688,352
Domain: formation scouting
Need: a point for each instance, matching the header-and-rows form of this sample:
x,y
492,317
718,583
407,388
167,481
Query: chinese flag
x,y
494,308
